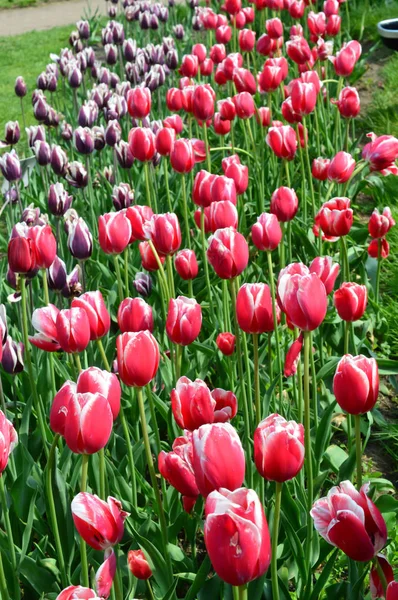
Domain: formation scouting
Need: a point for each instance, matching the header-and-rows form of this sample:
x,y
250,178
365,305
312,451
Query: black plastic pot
x,y
388,31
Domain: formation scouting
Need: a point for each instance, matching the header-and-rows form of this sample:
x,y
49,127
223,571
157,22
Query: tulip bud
x,y
201,191
182,157
73,330
254,308
226,343
10,166
142,143
320,168
381,152
244,105
303,97
350,301
21,255
164,232
80,240
203,102
345,60
97,313
380,224
114,232
99,523
45,245
139,102
96,381
59,161
236,535
335,217
77,175
302,297
282,141
186,264
84,140
138,564
143,284
293,356
379,248
20,87
266,232
137,357
326,270
176,467
56,275
124,155
184,320
298,50
122,196
134,314
12,133
349,104
12,359
341,167
9,438
284,204
228,253
376,586
356,384
192,404
44,321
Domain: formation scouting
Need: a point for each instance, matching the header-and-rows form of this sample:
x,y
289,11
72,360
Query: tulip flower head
x,y
350,301
226,343
176,467
356,384
100,523
138,564
335,218
137,357
8,440
184,320
228,253
99,318
266,232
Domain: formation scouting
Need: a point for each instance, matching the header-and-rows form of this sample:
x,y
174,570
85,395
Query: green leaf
x,y
323,433
328,368
40,579
335,456
347,468
324,576
296,546
176,553
200,578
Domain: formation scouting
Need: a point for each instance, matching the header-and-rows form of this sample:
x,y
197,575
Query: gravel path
x,y
46,16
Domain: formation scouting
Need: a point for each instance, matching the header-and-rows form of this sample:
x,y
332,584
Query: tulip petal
x,y
349,534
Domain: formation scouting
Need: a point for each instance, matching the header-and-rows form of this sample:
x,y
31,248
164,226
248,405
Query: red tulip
x,y
266,45
182,157
350,301
201,191
218,458
298,50
341,167
98,315
138,564
380,224
263,117
228,253
244,81
44,321
139,102
302,297
226,405
247,40
106,574
222,189
221,126
232,61
21,255
88,422
189,65
218,53
227,109
303,97
233,6
176,467
335,217
381,152
282,141
203,102
200,51
266,232
240,175
99,523
114,232
8,438
220,215
274,28
142,143
60,407
77,592
139,216
350,521
165,233
174,99
73,329
279,448
226,343
345,60
223,34
331,7
174,122
293,356
379,250
148,258
184,320
376,586
254,308
327,271
288,112
137,357
44,243
349,104
165,140
356,384
192,404
392,591
320,168
186,264
134,314
236,535
244,105
284,204
96,381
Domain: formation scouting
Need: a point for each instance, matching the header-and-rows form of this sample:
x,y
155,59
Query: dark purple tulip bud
x,y
196,23
193,3
124,155
59,200
78,46
156,159
69,218
152,80
108,174
52,118
11,195
129,49
144,20
36,95
80,240
99,137
20,87
73,287
51,82
143,284
88,114
163,14
100,94
66,131
123,88
76,174
132,73
12,359
12,133
154,22
41,81
159,69
168,43
3,324
42,152
84,140
10,166
116,108
115,80
73,37
122,196
40,109
75,77
172,59
64,65
178,31
83,28
104,76
30,216
35,133
82,61
56,275
113,133
118,33
90,56
142,62
59,160
172,3
112,12
106,36
110,54
131,13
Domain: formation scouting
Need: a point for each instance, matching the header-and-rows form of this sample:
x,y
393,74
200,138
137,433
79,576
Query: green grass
x,y
25,55
377,11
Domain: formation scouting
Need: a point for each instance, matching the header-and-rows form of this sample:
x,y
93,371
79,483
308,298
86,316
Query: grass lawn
x,y
25,55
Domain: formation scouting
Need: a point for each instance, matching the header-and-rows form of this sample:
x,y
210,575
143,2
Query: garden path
x,y
46,16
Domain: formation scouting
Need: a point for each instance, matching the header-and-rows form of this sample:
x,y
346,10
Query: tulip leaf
x,y
296,546
324,576
323,433
328,368
200,578
347,467
170,592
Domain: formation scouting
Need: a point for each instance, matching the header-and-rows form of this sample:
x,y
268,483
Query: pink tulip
x,y
176,467
254,308
99,523
228,253
97,381
114,232
302,297
192,404
134,314
94,306
356,384
73,329
266,232
8,440
184,320
350,301
137,357
327,271
106,573
44,321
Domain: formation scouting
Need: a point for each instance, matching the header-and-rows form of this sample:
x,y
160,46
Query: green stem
x,y
276,330
206,140
28,360
304,199
103,355
282,259
7,525
78,363
377,289
3,582
178,354
242,382
161,270
126,272
49,354
309,173
256,379
101,456
169,265
344,259
307,443
130,455
83,548
166,180
243,592
118,277
152,474
358,447
148,192
185,210
314,387
205,263
53,514
149,590
275,531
